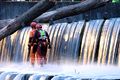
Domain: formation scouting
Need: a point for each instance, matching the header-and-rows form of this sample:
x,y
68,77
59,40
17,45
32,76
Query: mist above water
x,y
83,71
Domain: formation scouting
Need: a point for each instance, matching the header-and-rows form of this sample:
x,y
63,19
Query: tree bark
x,y
26,18
70,10
5,22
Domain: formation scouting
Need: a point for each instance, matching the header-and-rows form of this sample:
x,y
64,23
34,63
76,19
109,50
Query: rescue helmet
x,y
33,24
38,26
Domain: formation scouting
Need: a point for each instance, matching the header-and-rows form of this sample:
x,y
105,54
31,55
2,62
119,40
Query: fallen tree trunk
x,y
27,17
5,22
70,10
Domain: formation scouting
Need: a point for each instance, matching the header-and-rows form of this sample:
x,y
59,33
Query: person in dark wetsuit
x,y
43,43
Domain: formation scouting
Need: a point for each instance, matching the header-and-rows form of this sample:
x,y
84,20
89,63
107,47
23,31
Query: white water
x,y
76,71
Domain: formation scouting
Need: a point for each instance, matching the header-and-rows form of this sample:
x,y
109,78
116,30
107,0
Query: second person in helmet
x,y
43,43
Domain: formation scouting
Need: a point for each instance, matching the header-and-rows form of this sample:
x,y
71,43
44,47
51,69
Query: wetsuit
x,y
43,42
33,44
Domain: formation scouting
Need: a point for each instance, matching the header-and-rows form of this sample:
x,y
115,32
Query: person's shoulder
x,y
43,30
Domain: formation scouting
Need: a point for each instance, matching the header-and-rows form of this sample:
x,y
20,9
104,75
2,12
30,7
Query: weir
x,y
82,43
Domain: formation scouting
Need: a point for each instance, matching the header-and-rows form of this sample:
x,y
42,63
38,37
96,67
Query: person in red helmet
x,y
33,43
43,43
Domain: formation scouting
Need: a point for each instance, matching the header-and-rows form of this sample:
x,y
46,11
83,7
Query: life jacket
x,y
42,34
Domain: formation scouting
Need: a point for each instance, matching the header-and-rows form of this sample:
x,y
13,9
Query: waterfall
x,y
91,42
14,47
95,41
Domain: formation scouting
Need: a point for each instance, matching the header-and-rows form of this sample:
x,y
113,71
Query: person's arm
x,y
49,45
36,37
48,37
29,46
30,39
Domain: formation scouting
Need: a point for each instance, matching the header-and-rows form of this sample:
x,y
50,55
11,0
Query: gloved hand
x,y
29,44
49,46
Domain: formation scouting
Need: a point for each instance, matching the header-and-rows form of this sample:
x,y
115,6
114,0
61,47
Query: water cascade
x,y
92,42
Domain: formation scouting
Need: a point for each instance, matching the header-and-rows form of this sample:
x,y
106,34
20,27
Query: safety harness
x,y
42,35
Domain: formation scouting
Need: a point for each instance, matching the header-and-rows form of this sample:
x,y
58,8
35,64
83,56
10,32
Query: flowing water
x,y
79,43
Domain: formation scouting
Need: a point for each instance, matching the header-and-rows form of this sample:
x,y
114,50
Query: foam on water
x,y
83,71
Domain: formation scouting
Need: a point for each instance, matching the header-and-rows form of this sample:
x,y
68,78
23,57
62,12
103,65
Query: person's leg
x,y
32,56
29,48
45,60
45,52
38,55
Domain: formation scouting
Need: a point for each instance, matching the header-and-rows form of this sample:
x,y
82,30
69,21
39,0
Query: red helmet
x,y
38,26
33,24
